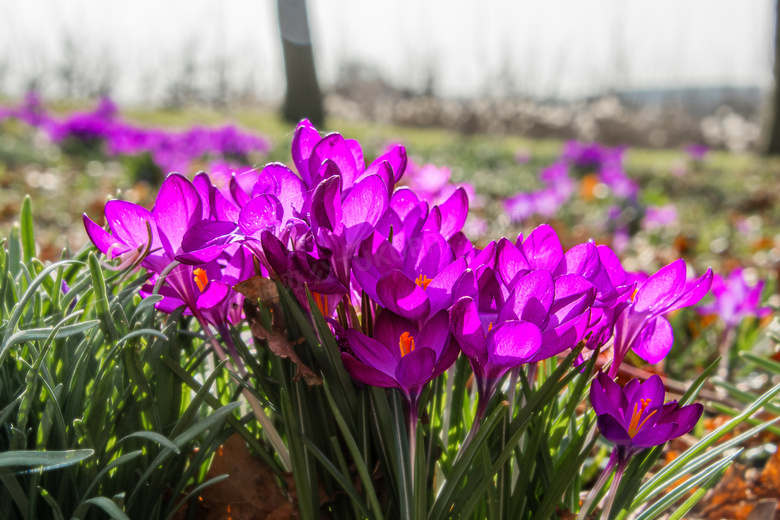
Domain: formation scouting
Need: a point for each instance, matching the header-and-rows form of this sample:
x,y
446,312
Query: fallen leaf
x,y
280,346
258,288
250,491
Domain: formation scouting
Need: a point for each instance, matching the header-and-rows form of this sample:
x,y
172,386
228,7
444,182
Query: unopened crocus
x,y
634,418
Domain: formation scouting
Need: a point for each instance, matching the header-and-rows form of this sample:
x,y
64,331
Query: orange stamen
x,y
322,302
406,343
201,278
635,425
423,281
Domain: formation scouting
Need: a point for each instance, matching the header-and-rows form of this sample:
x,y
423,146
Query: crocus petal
x,y
366,374
396,157
326,205
440,289
531,299
512,263
130,223
654,341
261,213
467,328
177,208
606,396
305,139
543,248
334,147
648,437
388,330
103,240
454,211
435,333
513,343
363,207
661,290
652,389
415,369
373,353
612,430
206,240
694,292
398,293
427,254
685,418
277,179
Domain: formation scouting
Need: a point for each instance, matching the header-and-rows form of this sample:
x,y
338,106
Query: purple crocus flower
x,y
735,299
634,418
401,355
697,151
641,327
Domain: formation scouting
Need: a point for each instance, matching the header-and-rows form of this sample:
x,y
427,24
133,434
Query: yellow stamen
x,y
490,326
423,281
406,343
201,278
635,425
322,302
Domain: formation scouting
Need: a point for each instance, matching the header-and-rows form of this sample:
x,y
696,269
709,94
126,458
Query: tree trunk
x,y
303,98
772,128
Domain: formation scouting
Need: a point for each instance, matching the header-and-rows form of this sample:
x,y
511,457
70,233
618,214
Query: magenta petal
x,y
305,139
654,341
177,208
415,369
454,211
652,389
215,293
662,289
440,289
366,374
130,223
403,201
326,205
362,208
427,254
512,263
383,170
396,157
467,328
694,291
334,147
103,240
277,179
435,334
357,155
401,295
203,234
606,396
685,418
655,435
513,343
531,299
543,248
372,353
612,430
259,214
390,327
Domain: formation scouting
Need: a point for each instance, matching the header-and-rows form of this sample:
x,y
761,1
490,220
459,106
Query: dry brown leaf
x,y
250,492
258,288
279,345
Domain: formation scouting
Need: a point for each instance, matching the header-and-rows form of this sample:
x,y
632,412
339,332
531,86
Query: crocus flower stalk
x,y
634,418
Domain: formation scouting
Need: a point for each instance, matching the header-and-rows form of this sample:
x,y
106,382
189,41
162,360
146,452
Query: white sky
x,y
550,47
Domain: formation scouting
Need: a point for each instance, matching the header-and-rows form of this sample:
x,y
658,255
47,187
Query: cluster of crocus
x,y
170,151
600,163
403,289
